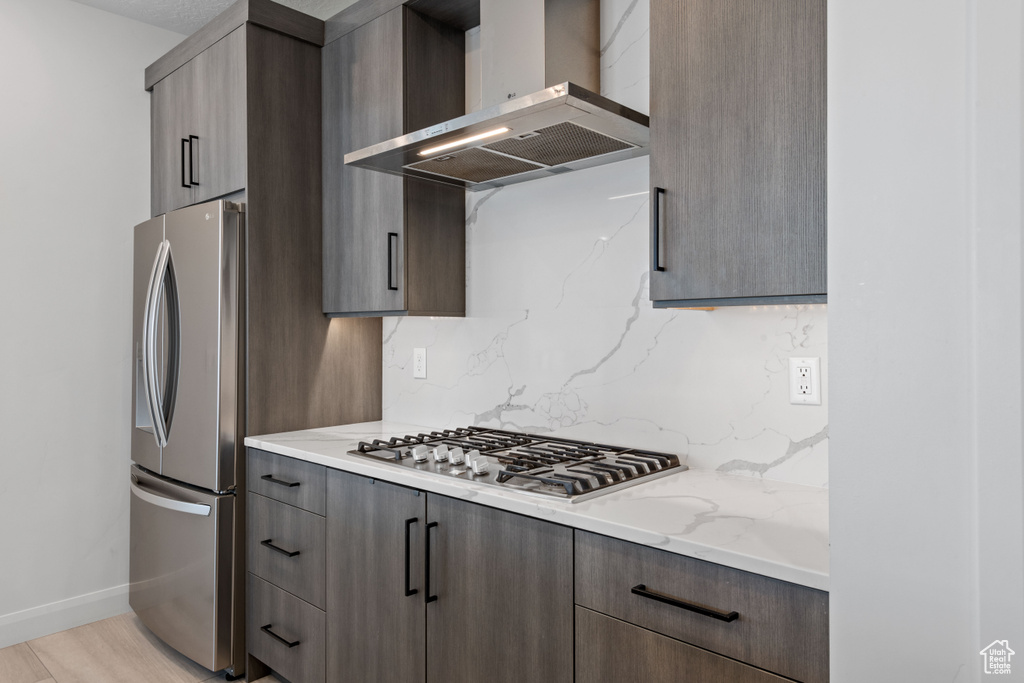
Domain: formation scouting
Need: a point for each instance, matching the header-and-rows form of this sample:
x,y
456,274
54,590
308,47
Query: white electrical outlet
x,y
419,363
805,381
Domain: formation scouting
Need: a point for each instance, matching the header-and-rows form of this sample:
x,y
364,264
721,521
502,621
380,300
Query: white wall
x,y
925,170
560,333
74,179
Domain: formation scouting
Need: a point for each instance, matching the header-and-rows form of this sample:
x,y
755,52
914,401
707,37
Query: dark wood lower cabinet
x,y
375,629
422,587
612,651
504,587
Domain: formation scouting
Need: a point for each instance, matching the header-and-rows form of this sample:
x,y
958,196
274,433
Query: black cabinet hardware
x,y
287,553
279,482
643,592
192,159
656,196
426,564
184,180
392,248
408,525
289,643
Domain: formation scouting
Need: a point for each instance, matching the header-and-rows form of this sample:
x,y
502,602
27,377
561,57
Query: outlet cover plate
x,y
419,363
805,381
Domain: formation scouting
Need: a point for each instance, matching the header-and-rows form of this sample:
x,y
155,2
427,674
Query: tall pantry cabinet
x,y
236,114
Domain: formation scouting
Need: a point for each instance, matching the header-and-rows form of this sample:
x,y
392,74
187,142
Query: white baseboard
x,y
36,622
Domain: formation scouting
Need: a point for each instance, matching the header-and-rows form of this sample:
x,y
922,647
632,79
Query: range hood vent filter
x,y
559,144
474,165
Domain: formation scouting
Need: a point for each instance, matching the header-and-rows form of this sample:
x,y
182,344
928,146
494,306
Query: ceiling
x,y
186,16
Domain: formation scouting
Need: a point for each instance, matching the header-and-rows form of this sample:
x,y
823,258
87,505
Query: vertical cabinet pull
x,y
408,527
659,192
392,248
191,160
426,565
184,179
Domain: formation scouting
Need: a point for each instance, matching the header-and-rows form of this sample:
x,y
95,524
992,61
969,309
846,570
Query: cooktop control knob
x,y
456,456
478,464
420,453
440,453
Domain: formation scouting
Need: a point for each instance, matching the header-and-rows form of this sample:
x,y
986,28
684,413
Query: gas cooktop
x,y
538,465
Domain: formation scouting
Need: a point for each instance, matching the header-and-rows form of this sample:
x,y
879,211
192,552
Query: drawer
x,y
287,548
288,480
778,626
612,651
285,633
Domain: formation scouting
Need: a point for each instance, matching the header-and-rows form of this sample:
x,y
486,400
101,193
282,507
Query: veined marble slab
x,y
772,528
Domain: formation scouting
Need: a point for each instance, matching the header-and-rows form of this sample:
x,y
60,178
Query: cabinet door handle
x,y
279,482
408,527
426,564
655,229
287,553
289,643
659,192
392,248
184,180
191,160
643,592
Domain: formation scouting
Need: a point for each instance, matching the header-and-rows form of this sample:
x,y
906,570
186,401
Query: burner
x,y
534,464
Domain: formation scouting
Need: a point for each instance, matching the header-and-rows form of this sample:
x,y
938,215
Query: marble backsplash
x,y
560,333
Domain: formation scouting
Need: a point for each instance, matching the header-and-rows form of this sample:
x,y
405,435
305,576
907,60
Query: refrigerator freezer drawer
x,y
180,566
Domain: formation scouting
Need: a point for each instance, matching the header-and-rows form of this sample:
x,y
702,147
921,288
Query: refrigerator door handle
x,y
199,509
149,343
162,282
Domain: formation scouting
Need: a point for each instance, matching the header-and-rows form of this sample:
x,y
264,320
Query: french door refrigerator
x,y
186,555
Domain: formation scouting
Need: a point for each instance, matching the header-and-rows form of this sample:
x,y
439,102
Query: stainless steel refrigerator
x,y
186,556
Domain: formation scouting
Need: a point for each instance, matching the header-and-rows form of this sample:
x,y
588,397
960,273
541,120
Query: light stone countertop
x,y
771,528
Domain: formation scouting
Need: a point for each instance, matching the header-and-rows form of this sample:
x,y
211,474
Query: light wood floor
x,y
115,650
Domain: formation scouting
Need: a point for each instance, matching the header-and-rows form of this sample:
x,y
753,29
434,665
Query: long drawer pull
x,y
289,643
287,553
279,482
643,592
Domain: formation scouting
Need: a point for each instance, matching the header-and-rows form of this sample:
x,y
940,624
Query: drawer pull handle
x,y
289,643
287,553
643,592
279,482
408,526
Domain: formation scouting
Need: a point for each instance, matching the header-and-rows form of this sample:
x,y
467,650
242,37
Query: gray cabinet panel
x,y
172,115
738,145
390,246
297,651
504,588
288,480
612,651
287,548
220,102
375,628
781,627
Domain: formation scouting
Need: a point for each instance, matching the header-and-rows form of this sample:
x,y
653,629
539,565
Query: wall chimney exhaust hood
x,y
550,49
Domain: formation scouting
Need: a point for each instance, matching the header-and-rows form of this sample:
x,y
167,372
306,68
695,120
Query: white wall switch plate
x,y
419,364
805,381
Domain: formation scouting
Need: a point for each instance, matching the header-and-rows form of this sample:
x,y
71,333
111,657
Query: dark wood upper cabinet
x,y
392,246
198,127
738,165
